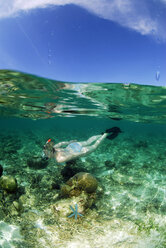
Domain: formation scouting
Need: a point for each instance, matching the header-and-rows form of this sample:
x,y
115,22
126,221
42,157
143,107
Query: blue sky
x,y
85,41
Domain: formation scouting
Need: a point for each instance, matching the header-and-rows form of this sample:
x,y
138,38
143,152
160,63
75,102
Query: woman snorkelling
x,y
70,150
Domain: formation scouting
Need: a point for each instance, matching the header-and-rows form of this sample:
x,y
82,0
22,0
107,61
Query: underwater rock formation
x,y
109,164
79,189
8,183
80,182
72,167
36,162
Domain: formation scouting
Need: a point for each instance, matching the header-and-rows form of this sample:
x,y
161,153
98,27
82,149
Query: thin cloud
x,y
129,13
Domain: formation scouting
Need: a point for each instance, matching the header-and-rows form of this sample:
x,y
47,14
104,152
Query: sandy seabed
x,y
130,207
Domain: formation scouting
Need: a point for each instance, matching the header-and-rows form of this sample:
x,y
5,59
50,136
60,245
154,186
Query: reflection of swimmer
x,y
69,150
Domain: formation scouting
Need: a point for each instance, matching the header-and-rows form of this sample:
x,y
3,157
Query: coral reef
x,y
80,182
8,183
123,203
10,144
72,167
37,162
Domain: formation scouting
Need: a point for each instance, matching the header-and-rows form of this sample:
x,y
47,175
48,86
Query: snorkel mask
x,y
49,148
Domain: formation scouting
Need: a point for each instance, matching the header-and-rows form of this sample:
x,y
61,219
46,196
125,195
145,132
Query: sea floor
x,y
130,206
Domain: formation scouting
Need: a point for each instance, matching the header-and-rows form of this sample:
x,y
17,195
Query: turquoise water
x,y
128,208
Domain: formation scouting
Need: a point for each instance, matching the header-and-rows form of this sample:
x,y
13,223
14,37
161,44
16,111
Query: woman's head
x,y
49,149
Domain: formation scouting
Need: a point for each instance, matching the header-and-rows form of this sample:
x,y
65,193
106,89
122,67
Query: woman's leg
x,y
90,140
91,148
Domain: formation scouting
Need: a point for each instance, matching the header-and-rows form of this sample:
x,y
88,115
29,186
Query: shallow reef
x,y
119,189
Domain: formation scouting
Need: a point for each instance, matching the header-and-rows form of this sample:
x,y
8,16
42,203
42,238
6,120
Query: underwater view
x,y
82,124
81,165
